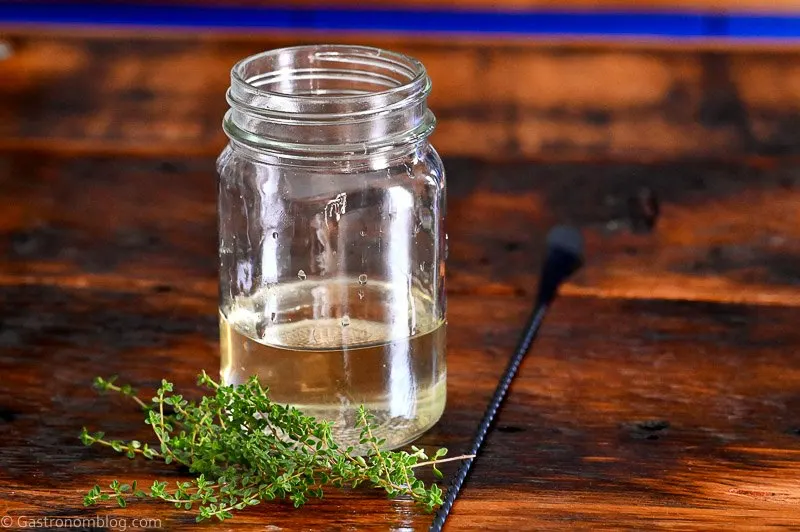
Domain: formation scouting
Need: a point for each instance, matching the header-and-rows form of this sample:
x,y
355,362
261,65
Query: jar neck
x,y
317,102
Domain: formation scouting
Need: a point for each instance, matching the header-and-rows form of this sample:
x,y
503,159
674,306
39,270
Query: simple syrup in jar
x,y
329,366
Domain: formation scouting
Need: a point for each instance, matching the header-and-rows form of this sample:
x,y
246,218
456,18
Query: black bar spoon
x,y
564,257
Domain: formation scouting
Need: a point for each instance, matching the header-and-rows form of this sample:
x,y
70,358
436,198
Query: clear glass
x,y
331,238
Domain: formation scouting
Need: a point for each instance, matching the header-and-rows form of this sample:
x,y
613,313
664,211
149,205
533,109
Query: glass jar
x,y
331,238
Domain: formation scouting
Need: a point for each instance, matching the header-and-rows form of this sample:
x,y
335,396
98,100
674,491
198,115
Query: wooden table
x,y
664,390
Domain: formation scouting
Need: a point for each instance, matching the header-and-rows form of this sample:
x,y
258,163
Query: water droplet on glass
x,y
275,235
426,219
345,321
261,329
363,233
272,317
360,294
301,275
422,266
362,279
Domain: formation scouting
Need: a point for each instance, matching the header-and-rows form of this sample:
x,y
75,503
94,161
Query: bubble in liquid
x,y
345,321
272,317
363,233
301,275
422,266
275,235
362,279
360,294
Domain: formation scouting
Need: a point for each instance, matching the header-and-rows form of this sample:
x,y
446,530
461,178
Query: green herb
x,y
244,449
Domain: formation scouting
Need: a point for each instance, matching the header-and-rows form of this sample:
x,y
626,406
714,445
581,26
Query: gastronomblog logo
x,y
108,522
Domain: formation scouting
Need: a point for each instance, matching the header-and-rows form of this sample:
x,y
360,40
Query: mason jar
x,y
331,238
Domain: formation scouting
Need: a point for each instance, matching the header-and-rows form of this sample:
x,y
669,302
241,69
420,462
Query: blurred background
x,y
666,129
513,79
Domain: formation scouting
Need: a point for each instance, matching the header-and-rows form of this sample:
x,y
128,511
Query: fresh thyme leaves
x,y
244,449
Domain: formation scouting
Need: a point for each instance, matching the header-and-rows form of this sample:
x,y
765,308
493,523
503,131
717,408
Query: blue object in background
x,y
672,25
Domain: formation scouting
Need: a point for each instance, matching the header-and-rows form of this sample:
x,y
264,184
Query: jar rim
x,y
420,75
332,98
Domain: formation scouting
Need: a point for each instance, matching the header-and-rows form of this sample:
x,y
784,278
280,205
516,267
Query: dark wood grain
x,y
495,99
663,392
671,405
719,231
700,231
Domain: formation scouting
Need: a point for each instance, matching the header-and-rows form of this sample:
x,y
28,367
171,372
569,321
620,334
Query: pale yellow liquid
x,y
327,364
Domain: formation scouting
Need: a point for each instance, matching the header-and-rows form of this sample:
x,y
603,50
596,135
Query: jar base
x,y
397,431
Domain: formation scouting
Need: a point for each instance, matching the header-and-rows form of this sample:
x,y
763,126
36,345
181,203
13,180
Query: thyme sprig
x,y
243,449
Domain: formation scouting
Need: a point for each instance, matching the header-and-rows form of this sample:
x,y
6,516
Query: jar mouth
x,y
328,95
325,73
